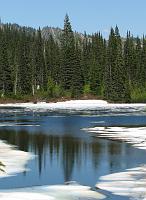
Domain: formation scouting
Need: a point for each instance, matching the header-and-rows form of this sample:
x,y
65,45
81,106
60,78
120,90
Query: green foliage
x,y
57,92
32,67
67,93
51,86
86,89
115,73
54,90
138,95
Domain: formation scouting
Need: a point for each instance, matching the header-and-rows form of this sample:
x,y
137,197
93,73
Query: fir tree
x,y
68,54
115,84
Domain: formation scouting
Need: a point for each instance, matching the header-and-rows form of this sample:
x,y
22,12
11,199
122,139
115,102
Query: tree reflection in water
x,y
68,151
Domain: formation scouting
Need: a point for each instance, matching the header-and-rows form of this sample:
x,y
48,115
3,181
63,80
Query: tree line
x,y
113,69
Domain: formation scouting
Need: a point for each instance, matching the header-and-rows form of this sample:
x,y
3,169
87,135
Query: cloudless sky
x,y
89,15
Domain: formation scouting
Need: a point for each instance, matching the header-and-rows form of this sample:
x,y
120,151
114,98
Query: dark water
x,y
64,152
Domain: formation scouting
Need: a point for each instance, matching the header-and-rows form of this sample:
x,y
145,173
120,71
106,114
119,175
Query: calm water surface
x,y
64,152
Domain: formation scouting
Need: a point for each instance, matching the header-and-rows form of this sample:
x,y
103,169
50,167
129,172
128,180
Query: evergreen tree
x,y
115,75
77,77
142,75
5,70
41,71
70,68
68,54
129,58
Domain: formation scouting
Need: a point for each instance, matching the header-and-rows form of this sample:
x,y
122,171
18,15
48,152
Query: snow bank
x,y
56,192
14,160
135,136
73,104
131,182
78,105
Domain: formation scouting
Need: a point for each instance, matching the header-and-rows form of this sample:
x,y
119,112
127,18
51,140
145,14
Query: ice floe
x,y
56,192
14,160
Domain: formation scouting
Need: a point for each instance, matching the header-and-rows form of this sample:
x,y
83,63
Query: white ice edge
x,y
78,105
56,192
131,182
15,161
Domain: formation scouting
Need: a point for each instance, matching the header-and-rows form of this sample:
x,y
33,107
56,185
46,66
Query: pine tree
x,y
97,64
77,77
115,81
142,76
71,71
68,54
137,69
129,58
24,65
5,70
41,71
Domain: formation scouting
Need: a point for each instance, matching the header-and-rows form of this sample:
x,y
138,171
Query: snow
x,y
73,104
56,192
78,105
131,182
14,160
135,136
128,183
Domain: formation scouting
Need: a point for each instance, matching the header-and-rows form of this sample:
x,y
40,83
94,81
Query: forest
x,y
75,66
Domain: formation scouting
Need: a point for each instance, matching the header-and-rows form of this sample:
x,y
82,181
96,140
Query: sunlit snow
x,y
56,192
131,182
79,105
14,161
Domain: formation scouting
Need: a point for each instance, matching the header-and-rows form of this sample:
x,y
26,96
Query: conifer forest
x,y
72,66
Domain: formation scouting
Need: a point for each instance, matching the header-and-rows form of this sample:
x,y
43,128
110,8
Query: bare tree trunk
x,y
33,91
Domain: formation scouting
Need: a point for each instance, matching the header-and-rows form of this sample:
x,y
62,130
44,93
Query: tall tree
x,y
5,70
115,79
70,67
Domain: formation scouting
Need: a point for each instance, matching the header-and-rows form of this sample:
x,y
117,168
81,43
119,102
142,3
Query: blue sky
x,y
89,15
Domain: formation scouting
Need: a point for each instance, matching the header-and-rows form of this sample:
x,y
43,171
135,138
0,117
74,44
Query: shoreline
x,y
36,100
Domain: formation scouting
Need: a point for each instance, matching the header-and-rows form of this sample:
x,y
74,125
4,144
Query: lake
x,y
63,150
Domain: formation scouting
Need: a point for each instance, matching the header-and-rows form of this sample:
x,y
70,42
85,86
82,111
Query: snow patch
x,y
135,136
56,192
79,105
14,161
131,182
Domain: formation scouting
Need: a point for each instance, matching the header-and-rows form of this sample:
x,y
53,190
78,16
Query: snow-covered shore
x,y
56,192
79,105
135,136
14,160
130,182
